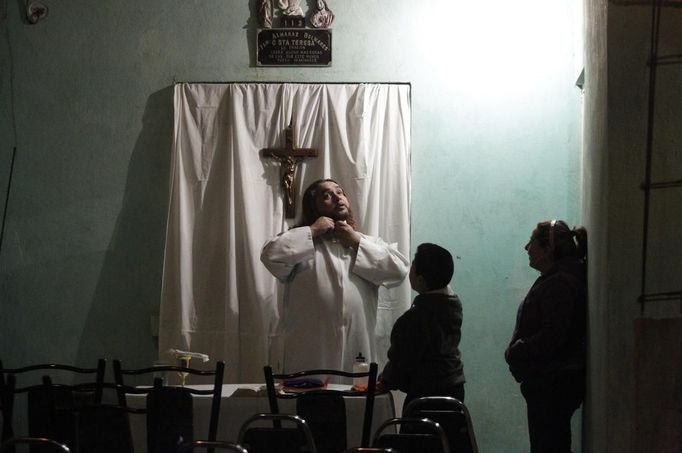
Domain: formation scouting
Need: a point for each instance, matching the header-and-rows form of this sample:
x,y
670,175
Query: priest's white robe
x,y
330,298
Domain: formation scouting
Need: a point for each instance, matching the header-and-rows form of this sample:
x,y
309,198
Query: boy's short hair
x,y
434,264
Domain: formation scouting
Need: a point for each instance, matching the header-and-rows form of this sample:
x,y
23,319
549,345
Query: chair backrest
x,y
206,444
452,415
325,413
169,408
433,441
324,409
90,426
275,438
51,444
28,380
370,450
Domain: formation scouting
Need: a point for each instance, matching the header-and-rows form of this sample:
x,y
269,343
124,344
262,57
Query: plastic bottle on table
x,y
360,366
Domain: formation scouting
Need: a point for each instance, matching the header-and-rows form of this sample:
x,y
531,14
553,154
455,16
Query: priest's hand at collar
x,y
346,234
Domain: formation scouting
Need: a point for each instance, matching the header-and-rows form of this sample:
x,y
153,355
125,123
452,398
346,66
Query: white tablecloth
x,y
235,410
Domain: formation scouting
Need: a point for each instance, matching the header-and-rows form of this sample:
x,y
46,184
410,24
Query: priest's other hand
x,y
346,234
321,226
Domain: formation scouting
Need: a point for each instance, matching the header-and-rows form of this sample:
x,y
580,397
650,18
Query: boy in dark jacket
x,y
424,357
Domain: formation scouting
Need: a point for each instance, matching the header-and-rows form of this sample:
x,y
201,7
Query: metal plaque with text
x,y
294,47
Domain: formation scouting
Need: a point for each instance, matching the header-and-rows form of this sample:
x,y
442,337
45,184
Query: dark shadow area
x,y
128,290
251,28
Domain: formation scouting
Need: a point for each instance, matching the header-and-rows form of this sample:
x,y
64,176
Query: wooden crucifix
x,y
289,158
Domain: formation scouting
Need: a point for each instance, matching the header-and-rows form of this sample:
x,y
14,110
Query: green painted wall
x,y
496,137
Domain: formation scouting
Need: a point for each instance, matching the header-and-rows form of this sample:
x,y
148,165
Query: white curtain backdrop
x,y
226,201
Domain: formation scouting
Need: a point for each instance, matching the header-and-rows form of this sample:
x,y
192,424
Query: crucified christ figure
x,y
289,158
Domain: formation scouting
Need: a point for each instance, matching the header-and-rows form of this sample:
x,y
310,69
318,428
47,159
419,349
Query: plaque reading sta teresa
x,y
294,47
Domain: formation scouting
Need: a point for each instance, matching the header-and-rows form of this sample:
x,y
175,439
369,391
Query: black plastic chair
x,y
6,406
40,422
169,409
49,444
324,410
275,438
452,415
433,441
211,445
93,426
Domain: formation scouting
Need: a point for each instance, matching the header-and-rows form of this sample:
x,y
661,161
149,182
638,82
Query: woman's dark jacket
x,y
550,324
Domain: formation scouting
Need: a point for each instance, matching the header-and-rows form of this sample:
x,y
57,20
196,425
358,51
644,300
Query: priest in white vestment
x,y
332,275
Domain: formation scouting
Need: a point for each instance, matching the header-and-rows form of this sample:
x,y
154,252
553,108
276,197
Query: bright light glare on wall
x,y
494,47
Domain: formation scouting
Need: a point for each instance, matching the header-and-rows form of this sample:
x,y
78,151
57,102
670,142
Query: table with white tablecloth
x,y
235,410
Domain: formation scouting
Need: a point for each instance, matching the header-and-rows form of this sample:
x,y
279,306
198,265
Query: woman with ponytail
x,y
546,354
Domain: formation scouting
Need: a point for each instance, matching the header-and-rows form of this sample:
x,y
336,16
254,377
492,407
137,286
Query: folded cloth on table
x,y
303,384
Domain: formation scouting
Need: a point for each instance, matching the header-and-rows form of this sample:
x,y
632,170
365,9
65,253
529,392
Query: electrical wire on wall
x,y
35,12
13,119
